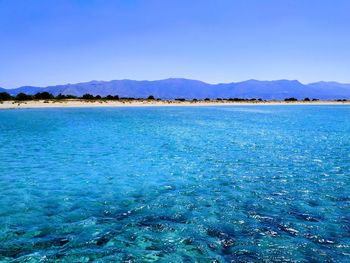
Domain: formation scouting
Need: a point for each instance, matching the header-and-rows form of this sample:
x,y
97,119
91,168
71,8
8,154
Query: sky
x,y
69,41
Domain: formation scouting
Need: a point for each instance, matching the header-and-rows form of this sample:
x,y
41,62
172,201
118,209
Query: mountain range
x,y
186,88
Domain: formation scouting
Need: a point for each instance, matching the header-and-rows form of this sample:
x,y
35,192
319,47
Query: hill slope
x,y
189,89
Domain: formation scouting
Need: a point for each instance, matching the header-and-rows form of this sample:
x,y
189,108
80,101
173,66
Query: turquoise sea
x,y
175,184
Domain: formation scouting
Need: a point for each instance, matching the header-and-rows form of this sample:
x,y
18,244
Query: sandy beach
x,y
149,103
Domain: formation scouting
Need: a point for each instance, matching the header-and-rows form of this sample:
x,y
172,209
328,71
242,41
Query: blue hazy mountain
x,y
185,88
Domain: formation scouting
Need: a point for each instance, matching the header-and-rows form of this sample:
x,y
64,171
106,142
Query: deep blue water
x,y
175,184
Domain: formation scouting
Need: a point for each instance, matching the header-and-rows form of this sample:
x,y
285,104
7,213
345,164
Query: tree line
x,y
48,96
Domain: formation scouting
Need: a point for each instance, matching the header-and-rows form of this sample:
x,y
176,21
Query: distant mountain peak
x,y
172,88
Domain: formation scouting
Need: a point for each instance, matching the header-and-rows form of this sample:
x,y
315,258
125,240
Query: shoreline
x,y
32,104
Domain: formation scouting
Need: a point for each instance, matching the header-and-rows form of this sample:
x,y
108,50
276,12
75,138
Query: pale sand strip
x,y
145,103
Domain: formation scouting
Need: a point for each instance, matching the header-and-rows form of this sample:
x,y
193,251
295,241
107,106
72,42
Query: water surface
x,y
175,184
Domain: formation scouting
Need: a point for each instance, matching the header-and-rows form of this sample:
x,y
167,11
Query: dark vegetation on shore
x,y
4,96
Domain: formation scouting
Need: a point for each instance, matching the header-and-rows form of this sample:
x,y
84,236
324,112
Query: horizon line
x,y
176,78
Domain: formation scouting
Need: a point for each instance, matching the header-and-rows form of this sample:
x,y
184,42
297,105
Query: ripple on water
x,y
210,184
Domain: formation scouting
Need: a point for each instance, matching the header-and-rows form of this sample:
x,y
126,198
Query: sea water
x,y
175,184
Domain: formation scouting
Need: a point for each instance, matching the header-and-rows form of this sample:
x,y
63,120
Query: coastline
x,y
149,103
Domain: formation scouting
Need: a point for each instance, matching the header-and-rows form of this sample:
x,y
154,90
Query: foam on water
x,y
175,184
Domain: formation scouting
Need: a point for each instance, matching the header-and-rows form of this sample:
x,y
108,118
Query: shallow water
x,y
174,184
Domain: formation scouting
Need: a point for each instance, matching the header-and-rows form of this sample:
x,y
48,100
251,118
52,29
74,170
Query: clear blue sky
x,y
45,42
